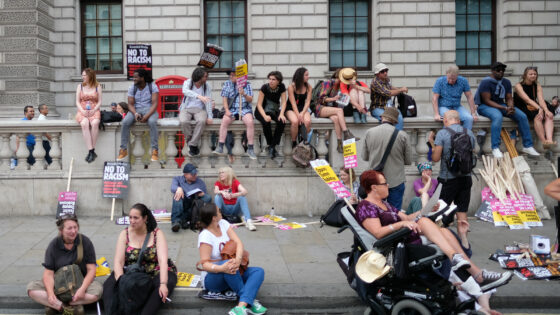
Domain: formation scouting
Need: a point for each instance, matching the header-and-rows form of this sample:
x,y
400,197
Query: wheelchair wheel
x,y
410,307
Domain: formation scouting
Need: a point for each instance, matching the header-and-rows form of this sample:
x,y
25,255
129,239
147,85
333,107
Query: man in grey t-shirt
x,y
455,188
142,103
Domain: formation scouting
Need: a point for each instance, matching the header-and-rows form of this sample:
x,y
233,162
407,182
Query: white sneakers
x,y
531,151
250,226
497,153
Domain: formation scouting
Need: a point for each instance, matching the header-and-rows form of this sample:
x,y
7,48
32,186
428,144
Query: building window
x,y
349,35
225,26
102,43
474,30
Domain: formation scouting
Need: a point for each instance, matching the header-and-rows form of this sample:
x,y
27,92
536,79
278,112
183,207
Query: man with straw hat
x,y
382,91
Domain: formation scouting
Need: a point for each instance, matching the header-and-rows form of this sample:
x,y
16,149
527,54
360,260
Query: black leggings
x,y
153,303
267,128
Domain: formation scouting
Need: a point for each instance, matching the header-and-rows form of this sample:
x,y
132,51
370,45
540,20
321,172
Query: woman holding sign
x,y
219,275
88,102
155,262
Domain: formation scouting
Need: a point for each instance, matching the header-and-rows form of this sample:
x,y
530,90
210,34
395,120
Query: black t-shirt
x,y
273,96
58,256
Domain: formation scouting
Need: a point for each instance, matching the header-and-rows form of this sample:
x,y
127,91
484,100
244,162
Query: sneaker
x,y
492,279
219,150
238,310
175,227
250,226
459,262
209,295
193,151
497,153
122,154
257,308
93,156
251,154
531,151
271,152
155,154
51,311
274,152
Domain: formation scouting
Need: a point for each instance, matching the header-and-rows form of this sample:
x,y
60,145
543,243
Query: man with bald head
x,y
455,187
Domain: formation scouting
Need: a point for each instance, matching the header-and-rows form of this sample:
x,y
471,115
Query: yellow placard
x,y
102,267
187,279
498,220
531,218
241,70
350,149
513,221
326,173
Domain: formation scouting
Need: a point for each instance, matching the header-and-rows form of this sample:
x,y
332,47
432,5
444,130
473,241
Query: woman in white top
x,y
219,275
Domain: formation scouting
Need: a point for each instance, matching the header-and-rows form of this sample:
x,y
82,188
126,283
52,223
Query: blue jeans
x,y
359,117
240,205
496,116
246,286
129,120
464,115
395,196
377,111
181,210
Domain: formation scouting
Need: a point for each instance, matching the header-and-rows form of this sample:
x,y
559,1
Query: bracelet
x,y
163,283
213,266
391,227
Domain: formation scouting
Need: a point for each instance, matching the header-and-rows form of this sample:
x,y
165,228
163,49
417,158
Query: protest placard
x,y
116,180
350,154
526,210
210,56
507,213
138,56
187,280
324,170
241,73
66,203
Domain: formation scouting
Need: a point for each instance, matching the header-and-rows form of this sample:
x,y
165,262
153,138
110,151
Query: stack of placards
x,y
514,213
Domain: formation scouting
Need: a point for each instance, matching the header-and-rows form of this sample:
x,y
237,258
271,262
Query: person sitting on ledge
x,y
63,251
185,190
230,196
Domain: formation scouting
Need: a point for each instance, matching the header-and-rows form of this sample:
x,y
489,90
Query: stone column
x,y
205,150
39,153
421,147
322,148
237,149
56,153
138,150
257,148
22,153
487,146
171,150
5,153
287,162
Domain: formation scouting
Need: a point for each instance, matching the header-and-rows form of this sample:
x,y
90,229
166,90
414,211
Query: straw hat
x,y
391,114
346,75
371,266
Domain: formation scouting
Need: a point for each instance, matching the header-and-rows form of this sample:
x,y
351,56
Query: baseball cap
x,y
498,65
190,169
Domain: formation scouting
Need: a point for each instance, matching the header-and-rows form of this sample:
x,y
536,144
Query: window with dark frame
x,y
102,42
475,33
349,34
226,26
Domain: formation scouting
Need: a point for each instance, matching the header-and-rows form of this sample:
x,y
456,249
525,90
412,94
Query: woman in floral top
x,y
155,260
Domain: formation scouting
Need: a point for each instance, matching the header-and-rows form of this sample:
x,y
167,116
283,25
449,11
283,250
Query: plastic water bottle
x,y
272,212
88,105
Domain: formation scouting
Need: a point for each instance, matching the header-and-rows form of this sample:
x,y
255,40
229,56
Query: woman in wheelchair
x,y
381,219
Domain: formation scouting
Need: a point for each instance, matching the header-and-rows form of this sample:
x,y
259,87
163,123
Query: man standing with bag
x,y
388,150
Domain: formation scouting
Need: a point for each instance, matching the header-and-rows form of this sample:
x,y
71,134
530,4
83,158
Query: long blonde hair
x,y
230,175
92,82
526,71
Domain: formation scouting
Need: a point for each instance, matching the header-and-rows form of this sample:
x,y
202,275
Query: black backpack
x,y
333,217
462,159
109,117
197,204
407,105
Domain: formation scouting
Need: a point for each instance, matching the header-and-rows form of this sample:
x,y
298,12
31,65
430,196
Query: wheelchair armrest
x,y
392,238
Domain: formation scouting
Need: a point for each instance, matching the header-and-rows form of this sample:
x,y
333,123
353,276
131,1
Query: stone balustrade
x,y
275,182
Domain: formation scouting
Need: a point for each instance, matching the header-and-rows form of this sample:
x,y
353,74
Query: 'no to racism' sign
x,y
138,56
116,180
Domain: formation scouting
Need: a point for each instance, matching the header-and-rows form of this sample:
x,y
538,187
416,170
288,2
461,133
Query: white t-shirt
x,y
208,238
43,117
195,101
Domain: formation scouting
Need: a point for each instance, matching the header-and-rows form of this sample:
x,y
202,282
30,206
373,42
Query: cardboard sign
x,y
138,56
66,203
116,180
102,267
123,221
268,218
324,170
241,73
526,210
291,226
210,56
187,280
508,213
498,220
350,153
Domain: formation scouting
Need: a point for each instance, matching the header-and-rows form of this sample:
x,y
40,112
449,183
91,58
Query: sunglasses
x,y
384,71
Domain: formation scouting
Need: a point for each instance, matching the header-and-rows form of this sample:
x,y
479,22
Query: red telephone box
x,y
170,98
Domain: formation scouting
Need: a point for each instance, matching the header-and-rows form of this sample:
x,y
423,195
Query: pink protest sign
x,y
349,151
339,189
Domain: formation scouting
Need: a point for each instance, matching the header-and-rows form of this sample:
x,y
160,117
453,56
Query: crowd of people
x,y
386,148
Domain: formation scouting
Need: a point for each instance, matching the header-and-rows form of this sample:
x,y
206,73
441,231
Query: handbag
x,y
68,279
133,287
228,251
271,108
333,217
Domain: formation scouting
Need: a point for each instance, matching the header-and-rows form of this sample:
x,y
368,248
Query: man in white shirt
x,y
43,112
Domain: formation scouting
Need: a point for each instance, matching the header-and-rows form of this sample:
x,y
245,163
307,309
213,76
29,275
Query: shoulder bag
x,y
68,279
381,164
228,250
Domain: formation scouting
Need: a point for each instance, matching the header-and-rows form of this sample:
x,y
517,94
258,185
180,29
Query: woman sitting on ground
x,y
528,97
272,106
63,251
327,108
88,102
230,196
299,98
220,275
381,219
155,259
345,178
424,187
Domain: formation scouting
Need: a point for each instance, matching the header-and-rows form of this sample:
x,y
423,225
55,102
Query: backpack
x,y
68,279
196,205
333,217
149,88
407,105
109,117
133,287
303,152
462,159
315,94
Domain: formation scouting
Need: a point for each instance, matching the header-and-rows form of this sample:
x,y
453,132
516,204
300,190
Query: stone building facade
x,y
41,43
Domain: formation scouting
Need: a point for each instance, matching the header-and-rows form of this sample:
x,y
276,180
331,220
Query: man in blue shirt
x,y
492,95
185,189
448,90
29,113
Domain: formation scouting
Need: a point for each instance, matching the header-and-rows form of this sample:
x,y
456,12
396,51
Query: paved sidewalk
x,y
300,265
